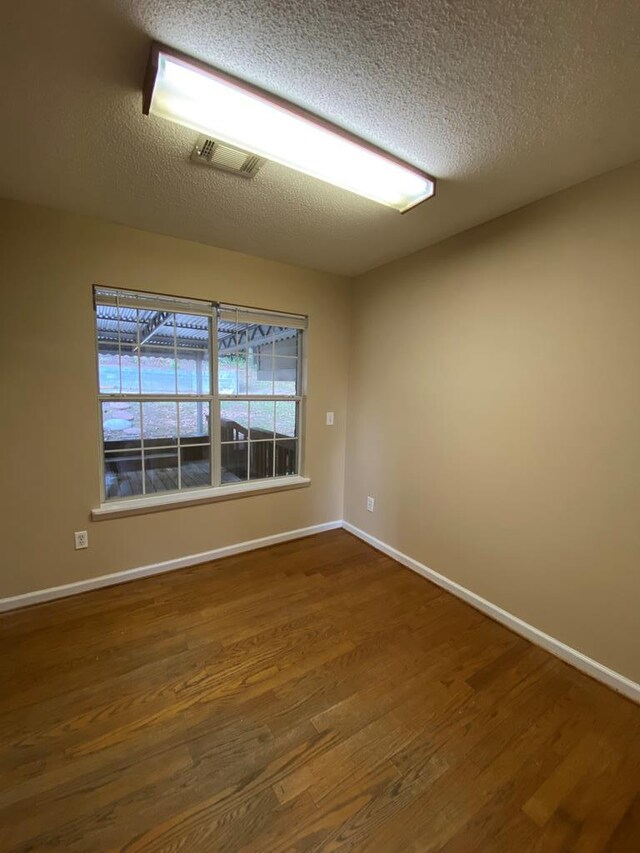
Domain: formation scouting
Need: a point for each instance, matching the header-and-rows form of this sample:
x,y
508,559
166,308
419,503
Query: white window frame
x,y
134,504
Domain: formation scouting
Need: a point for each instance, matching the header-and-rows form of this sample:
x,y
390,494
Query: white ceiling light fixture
x,y
200,97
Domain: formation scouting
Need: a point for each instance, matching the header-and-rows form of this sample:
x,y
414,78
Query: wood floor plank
x,y
312,696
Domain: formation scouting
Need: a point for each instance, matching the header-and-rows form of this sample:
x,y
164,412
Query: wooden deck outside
x,y
256,457
162,479
312,696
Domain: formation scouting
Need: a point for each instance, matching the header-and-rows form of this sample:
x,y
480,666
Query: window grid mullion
x,y
214,408
156,398
143,473
175,370
277,398
119,352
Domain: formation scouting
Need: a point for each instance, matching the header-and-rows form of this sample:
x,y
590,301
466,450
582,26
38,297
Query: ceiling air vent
x,y
210,152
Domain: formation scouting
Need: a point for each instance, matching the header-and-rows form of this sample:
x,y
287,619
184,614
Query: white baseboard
x,y
615,680
41,595
585,664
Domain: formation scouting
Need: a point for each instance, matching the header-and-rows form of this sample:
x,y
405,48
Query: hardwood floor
x,y
310,696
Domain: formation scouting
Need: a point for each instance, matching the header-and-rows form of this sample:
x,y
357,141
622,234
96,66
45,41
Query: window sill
x,y
174,500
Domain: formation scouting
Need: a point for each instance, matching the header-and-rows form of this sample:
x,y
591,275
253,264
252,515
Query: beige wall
x,y
494,413
494,407
48,415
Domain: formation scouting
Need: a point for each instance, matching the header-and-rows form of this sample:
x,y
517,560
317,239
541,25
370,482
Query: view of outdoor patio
x,y
153,445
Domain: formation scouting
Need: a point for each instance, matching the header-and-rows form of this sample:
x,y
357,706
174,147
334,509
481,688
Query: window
x,y
195,395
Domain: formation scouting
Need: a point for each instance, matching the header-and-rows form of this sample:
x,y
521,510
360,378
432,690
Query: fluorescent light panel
x,y
195,95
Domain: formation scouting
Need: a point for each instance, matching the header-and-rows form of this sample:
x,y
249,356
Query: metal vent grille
x,y
210,152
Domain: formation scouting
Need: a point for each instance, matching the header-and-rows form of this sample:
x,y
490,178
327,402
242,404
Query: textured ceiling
x,y
503,102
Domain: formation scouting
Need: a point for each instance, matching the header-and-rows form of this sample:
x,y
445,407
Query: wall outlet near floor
x,y
371,502
329,418
82,539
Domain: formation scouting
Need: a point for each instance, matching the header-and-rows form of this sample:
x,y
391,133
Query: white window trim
x,y
110,508
173,500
